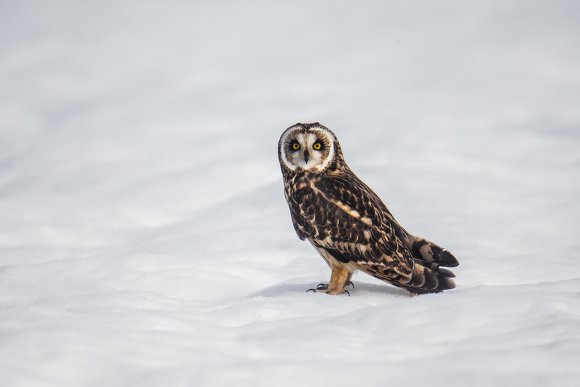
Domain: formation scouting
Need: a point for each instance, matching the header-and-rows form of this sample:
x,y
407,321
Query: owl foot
x,y
323,288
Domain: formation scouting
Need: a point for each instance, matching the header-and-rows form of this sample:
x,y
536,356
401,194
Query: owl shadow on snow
x,y
360,289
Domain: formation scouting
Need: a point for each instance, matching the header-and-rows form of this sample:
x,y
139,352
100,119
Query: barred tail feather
x,y
429,254
428,274
425,280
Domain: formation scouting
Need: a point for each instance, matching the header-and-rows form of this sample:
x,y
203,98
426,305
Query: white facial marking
x,y
283,150
324,134
316,160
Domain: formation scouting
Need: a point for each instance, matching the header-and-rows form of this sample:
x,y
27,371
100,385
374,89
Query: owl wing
x,y
341,215
297,218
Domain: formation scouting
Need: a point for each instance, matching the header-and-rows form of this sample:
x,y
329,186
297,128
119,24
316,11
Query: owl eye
x,y
295,146
317,145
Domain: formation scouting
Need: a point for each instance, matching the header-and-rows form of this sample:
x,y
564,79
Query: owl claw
x,y
319,288
350,283
323,288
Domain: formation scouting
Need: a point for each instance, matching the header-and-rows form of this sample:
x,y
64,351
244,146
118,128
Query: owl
x,y
348,224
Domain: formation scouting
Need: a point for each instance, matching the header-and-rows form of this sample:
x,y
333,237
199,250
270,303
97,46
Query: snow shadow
x,y
360,288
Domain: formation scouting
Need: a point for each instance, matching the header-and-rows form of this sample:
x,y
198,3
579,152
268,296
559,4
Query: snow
x,y
144,236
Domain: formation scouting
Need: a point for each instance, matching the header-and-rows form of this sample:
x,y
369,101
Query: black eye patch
x,y
294,145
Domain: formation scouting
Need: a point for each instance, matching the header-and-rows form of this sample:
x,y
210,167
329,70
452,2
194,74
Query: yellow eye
x,y
295,146
317,146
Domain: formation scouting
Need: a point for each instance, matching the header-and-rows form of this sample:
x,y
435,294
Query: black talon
x,y
346,291
311,290
322,287
350,283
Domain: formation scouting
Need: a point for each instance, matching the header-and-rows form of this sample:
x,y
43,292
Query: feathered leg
x,y
339,278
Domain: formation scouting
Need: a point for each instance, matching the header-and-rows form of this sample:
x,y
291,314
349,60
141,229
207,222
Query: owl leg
x,y
339,278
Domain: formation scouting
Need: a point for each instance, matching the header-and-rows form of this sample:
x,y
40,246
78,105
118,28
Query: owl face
x,y
307,147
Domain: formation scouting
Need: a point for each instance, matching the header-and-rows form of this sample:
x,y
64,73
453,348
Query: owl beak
x,y
306,156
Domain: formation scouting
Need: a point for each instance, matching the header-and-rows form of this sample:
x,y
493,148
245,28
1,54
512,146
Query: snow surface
x,y
144,237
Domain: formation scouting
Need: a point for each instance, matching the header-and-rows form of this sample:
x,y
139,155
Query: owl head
x,y
308,148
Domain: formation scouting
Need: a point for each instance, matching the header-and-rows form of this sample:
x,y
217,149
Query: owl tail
x,y
429,254
428,274
425,280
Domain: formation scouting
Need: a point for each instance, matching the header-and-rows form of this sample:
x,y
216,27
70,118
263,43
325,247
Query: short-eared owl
x,y
347,222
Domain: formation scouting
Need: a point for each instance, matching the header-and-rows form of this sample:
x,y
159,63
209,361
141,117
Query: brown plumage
x,y
347,222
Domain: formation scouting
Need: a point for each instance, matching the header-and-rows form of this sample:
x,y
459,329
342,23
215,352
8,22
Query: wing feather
x,y
343,216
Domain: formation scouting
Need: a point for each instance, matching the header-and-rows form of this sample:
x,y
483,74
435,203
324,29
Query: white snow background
x,y
144,236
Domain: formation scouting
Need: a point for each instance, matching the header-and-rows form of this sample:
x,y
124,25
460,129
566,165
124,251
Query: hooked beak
x,y
306,156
